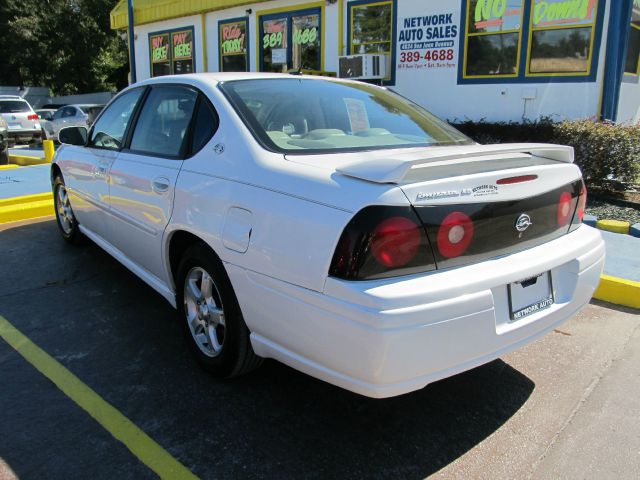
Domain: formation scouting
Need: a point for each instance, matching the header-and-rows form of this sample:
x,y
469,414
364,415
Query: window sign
x,y
171,52
159,45
306,42
548,13
182,43
233,46
494,35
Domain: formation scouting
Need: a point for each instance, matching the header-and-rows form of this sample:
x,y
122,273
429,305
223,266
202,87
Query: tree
x,y
66,45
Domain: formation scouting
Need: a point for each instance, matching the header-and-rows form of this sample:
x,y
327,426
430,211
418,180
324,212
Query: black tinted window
x,y
14,106
205,125
164,121
109,130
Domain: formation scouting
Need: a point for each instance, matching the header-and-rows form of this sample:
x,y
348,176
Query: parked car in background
x,y
4,142
23,124
329,224
46,115
81,115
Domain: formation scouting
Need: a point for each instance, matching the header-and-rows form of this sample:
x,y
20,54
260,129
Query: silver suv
x,y
23,124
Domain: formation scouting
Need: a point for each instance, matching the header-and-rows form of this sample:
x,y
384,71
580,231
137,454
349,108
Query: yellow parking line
x,y
139,443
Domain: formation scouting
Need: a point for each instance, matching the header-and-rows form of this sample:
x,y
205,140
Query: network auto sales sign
x,y
428,41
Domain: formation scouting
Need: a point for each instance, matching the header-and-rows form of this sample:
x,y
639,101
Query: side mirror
x,y
73,136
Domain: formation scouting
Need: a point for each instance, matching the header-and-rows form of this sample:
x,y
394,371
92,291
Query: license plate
x,y
15,126
530,296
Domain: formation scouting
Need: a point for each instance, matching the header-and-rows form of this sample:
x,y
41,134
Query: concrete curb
x,y
25,208
8,167
618,291
615,226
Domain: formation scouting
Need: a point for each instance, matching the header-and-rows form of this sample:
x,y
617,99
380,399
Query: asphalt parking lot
x,y
566,406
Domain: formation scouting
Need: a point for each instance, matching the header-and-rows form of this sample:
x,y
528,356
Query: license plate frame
x,y
530,296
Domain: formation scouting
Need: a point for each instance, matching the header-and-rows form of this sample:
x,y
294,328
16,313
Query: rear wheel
x,y
4,156
210,315
65,218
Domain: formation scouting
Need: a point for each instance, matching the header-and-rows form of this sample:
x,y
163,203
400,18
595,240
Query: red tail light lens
x,y
33,117
582,203
382,242
395,242
455,234
565,210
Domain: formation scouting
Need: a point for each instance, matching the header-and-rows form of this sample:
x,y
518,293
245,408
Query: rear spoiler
x,y
393,170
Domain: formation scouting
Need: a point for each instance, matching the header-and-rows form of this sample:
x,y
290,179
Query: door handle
x,y
160,184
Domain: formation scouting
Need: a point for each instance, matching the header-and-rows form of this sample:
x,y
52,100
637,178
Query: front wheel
x,y
210,315
65,218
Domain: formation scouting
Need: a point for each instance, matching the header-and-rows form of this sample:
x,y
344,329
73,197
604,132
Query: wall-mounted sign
x,y
428,42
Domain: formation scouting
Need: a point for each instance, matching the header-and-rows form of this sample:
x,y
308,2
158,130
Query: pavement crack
x,y
54,283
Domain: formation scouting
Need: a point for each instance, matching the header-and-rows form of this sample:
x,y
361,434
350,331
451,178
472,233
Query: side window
x,y
68,112
204,126
108,132
57,114
164,121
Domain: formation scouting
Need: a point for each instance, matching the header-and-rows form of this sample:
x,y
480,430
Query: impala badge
x,y
523,222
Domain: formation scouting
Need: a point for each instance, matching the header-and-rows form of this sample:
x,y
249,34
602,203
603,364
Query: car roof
x,y
89,105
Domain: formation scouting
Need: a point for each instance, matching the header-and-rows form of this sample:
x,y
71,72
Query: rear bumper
x,y
386,338
20,135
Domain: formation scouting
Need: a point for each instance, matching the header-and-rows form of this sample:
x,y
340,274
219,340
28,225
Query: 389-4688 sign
x,y
429,55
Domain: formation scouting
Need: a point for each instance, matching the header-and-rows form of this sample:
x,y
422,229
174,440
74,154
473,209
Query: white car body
x,y
275,221
70,116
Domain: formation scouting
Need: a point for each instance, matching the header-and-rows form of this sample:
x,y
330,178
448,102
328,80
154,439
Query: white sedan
x,y
331,225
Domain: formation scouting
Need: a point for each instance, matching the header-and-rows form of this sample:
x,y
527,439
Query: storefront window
x,y
632,65
494,32
561,36
171,52
371,29
291,41
520,39
233,41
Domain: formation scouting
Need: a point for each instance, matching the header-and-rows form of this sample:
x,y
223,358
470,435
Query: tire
x,y
210,315
4,157
66,220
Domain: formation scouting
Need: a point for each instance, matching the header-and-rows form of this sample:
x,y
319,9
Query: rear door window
x,y
108,132
164,121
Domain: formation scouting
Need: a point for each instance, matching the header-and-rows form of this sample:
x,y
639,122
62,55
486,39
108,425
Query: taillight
x,y
578,217
582,203
382,242
33,117
565,210
455,234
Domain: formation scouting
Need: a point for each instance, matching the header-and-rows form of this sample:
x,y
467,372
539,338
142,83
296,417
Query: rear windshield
x,y
14,106
300,115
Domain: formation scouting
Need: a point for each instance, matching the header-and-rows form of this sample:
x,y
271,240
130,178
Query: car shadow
x,y
123,340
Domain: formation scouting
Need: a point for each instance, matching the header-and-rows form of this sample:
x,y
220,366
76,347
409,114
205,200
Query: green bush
x,y
604,151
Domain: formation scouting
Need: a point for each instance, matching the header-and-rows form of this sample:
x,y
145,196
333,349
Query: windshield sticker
x,y
357,112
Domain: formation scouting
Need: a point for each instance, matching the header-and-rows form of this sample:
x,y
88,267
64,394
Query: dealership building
x,y
461,59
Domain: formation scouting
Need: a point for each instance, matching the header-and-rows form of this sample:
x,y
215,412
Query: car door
x,y
86,169
144,175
